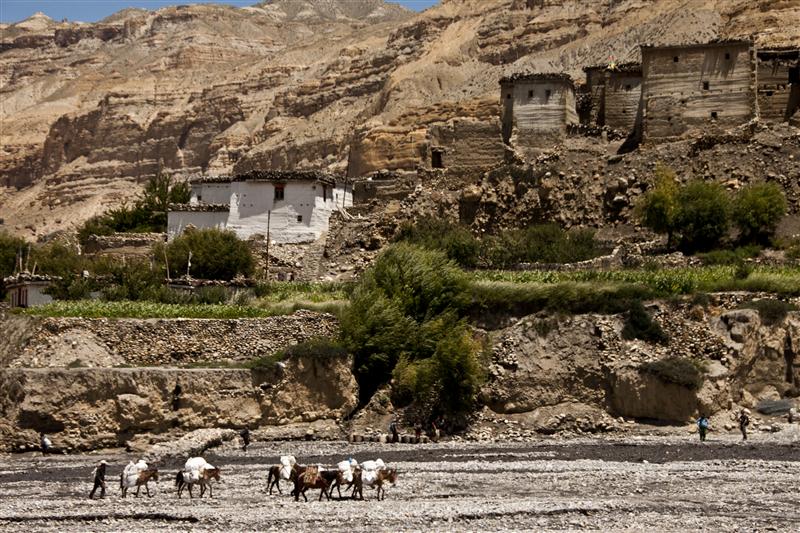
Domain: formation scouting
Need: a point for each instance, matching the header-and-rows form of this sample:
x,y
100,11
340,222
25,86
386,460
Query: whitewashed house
x,y
28,290
292,206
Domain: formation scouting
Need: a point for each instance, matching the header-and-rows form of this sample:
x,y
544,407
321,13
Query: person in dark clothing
x,y
99,480
744,421
393,431
176,396
245,434
45,444
702,427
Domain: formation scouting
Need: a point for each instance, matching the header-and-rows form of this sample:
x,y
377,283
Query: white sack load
x,y
196,463
130,474
287,463
346,468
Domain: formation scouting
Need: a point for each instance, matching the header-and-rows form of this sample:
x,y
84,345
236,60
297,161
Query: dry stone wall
x,y
59,342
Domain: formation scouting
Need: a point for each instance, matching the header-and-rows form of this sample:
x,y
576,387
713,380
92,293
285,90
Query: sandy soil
x,y
630,484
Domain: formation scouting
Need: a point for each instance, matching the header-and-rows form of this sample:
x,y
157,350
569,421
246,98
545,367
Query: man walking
x,y
245,434
99,480
702,427
45,444
744,421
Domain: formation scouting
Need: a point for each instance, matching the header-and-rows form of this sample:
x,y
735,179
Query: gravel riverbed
x,y
628,484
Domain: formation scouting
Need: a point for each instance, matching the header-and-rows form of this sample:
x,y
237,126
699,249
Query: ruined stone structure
x,y
778,83
537,108
615,95
708,86
465,144
290,206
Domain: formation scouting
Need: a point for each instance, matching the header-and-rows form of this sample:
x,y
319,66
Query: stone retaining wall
x,y
60,342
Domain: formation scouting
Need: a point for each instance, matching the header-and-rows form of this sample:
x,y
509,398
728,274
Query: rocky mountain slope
x,y
88,110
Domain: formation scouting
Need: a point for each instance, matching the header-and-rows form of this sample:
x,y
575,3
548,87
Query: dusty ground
x,y
631,484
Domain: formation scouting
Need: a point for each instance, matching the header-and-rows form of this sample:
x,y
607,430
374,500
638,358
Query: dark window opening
x,y
669,119
508,96
624,111
714,115
199,198
769,93
324,193
547,94
706,85
675,59
279,192
727,56
628,87
299,218
794,75
530,94
436,159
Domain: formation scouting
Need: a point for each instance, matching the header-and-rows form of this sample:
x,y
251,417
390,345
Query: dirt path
x,y
623,485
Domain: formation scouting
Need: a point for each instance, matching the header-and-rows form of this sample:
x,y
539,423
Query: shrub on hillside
x,y
395,310
545,243
771,311
316,348
729,257
640,325
659,207
147,214
10,249
215,254
703,215
455,240
757,210
677,370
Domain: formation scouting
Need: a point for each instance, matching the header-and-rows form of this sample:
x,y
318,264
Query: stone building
x,y
778,83
537,109
697,86
293,206
28,290
615,94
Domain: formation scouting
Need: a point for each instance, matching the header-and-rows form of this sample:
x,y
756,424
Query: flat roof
x,y
708,44
199,208
537,76
271,176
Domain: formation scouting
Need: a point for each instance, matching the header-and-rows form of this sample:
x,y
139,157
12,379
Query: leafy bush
x,y
216,254
455,240
659,207
729,257
397,310
640,325
10,247
771,311
129,309
147,214
757,210
677,370
703,215
316,348
547,243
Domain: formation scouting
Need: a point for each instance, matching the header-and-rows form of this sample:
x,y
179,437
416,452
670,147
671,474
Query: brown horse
x,y
310,478
143,476
274,478
387,475
207,475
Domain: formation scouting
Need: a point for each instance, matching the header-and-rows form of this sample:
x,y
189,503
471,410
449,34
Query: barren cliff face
x,y
87,111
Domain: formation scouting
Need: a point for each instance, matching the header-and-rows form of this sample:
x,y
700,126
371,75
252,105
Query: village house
x,y
537,108
778,83
28,290
289,206
707,86
615,94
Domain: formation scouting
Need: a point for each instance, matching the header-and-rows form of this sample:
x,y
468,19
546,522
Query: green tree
x,y
10,248
703,215
455,240
215,254
757,210
659,207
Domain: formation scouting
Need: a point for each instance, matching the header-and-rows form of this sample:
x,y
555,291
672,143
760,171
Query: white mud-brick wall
x,y
301,216
623,96
536,112
778,85
210,193
29,295
702,87
178,221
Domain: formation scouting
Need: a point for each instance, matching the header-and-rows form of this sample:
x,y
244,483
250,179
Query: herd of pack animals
x,y
347,475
